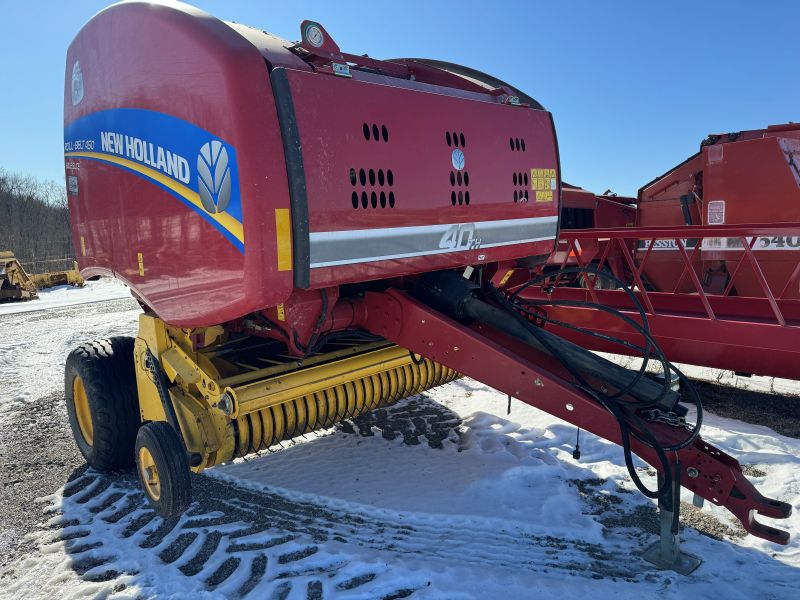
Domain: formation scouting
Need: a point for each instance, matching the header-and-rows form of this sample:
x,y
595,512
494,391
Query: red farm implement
x,y
313,234
712,251
756,334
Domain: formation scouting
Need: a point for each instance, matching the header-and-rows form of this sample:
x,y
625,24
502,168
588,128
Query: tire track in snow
x,y
271,543
238,542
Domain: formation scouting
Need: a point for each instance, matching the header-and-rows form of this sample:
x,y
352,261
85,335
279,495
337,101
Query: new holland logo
x,y
77,84
214,177
458,159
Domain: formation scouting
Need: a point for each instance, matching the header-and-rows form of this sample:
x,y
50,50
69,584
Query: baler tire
x,y
108,382
158,443
603,283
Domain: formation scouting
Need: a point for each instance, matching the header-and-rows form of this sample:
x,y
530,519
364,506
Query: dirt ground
x,y
779,413
38,456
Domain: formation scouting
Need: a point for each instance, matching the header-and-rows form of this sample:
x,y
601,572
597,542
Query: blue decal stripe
x,y
231,228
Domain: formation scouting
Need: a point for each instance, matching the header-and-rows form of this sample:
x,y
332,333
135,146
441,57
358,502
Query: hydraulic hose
x,y
645,390
452,294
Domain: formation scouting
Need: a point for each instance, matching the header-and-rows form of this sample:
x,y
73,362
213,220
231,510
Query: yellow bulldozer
x,y
17,284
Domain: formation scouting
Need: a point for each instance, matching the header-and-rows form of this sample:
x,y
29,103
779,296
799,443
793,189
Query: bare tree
x,y
34,219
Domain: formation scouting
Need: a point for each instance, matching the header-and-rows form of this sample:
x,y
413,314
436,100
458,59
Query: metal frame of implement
x,y
692,325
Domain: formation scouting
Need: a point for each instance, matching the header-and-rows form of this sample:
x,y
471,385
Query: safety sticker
x,y
506,277
716,212
715,154
543,183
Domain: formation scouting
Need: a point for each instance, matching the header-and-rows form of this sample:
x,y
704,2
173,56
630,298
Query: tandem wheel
x,y
163,469
102,401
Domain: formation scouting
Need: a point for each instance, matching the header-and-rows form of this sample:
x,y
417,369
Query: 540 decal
x,y
780,242
460,237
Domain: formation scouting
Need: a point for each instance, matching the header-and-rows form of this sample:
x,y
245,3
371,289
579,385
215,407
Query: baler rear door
x,y
392,177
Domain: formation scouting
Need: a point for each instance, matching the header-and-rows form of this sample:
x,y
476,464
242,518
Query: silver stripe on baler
x,y
332,248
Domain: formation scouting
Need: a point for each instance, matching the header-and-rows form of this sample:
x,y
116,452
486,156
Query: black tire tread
x,y
173,468
109,377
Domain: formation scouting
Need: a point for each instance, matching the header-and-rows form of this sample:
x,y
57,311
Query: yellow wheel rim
x,y
149,473
82,411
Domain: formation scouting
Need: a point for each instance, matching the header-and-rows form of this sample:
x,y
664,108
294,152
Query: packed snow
x,y
500,510
37,335
67,295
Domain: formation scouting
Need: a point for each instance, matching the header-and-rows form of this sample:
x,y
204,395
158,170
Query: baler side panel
x,y
140,69
386,195
756,184
754,179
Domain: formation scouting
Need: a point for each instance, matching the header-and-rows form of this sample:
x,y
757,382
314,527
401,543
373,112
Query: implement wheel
x,y
163,469
102,402
602,282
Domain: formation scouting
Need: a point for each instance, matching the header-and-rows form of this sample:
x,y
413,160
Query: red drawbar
x,y
512,368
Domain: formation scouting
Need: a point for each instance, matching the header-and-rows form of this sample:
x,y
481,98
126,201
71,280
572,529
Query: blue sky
x,y
634,86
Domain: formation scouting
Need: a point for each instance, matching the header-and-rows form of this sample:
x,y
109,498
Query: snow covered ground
x,y
36,336
67,295
380,508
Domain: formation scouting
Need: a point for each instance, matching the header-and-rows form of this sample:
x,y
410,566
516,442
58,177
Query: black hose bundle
x,y
620,404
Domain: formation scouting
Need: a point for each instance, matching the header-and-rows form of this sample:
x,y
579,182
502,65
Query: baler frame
x,y
218,416
514,368
754,335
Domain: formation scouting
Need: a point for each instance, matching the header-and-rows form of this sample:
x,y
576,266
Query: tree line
x,y
34,220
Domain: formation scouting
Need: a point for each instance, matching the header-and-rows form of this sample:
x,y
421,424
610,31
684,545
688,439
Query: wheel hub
x,y
82,411
149,473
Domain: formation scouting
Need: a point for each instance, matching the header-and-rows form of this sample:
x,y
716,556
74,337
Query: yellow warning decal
x,y
281,312
544,183
83,246
506,277
283,234
141,263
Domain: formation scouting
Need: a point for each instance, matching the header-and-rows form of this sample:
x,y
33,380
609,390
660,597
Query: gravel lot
x,y
249,539
38,455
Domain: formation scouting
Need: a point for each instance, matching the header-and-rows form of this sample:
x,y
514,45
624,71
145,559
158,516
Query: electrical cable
x,y
643,329
623,410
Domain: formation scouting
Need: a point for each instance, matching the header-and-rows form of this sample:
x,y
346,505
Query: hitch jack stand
x,y
666,552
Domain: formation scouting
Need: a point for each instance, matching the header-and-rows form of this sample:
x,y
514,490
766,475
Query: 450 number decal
x,y
460,237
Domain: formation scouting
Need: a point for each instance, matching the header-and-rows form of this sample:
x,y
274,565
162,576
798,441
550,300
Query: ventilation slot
x,y
455,139
520,181
516,144
375,133
459,179
372,192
